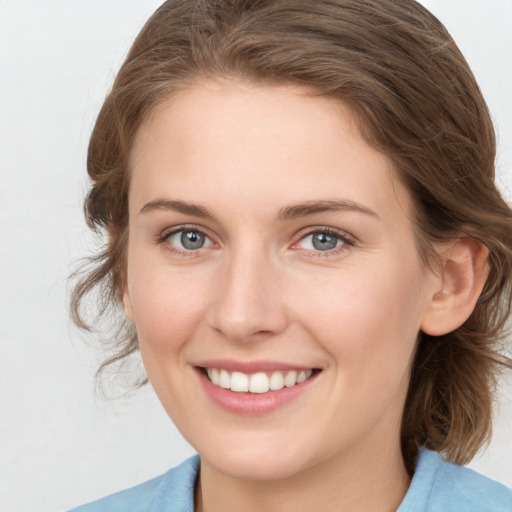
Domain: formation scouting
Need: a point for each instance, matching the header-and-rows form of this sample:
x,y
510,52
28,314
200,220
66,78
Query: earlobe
x,y
461,280
127,304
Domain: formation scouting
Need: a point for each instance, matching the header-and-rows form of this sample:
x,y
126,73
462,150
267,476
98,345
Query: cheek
x,y
367,319
167,309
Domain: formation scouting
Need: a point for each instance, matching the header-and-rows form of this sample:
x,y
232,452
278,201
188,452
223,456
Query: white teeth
x,y
224,379
301,377
239,382
214,376
276,381
259,382
290,379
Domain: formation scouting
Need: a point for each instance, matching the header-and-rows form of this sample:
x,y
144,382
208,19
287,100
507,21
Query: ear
x,y
458,286
127,304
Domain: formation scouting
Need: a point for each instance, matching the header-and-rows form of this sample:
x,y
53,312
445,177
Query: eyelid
x,y
163,237
311,230
171,230
346,239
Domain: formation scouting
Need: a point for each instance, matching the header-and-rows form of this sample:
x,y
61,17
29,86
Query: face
x,y
273,278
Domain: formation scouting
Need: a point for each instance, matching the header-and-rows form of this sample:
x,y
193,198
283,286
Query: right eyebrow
x,y
177,206
306,208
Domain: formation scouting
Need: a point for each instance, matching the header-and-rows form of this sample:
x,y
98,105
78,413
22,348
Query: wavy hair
x,y
395,65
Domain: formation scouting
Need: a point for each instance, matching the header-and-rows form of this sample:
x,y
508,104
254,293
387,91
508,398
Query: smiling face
x,y
271,247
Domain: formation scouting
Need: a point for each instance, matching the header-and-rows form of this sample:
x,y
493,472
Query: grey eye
x,y
192,240
188,240
324,241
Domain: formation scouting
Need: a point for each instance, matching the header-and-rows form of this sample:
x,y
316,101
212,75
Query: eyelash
x,y
163,239
345,239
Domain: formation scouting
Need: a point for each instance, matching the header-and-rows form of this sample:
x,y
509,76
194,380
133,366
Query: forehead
x,y
234,140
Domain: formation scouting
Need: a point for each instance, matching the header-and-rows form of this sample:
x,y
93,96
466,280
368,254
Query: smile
x,y
261,382
254,388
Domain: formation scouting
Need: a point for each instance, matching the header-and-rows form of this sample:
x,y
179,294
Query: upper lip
x,y
250,367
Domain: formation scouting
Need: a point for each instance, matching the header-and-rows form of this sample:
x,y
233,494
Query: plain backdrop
x,y
60,444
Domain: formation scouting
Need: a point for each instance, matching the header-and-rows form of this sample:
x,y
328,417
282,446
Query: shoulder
x,y
444,487
175,487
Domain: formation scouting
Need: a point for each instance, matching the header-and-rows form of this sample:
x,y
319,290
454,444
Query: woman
x,y
310,252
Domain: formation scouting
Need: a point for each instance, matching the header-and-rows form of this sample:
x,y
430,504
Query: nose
x,y
248,305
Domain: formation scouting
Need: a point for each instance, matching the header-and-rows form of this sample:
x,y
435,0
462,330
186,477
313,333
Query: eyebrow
x,y
294,211
312,207
177,206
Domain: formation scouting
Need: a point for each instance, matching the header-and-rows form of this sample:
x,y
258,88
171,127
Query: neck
x,y
373,478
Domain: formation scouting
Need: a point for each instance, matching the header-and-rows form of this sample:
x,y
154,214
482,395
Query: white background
x,y
59,444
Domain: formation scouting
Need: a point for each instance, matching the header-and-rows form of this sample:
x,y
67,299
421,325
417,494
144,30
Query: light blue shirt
x,y
437,486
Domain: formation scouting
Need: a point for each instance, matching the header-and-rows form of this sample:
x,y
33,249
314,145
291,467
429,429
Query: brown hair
x,y
417,101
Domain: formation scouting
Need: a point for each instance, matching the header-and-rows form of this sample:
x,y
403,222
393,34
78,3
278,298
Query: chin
x,y
255,463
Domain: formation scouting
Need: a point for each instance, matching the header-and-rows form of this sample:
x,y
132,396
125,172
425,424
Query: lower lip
x,y
252,403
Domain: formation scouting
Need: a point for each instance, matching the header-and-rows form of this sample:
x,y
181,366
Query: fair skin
x,y
265,233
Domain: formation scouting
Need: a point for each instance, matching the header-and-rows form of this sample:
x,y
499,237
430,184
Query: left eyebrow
x,y
306,208
177,206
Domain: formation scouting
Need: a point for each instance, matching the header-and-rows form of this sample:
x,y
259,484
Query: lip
x,y
249,367
252,404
